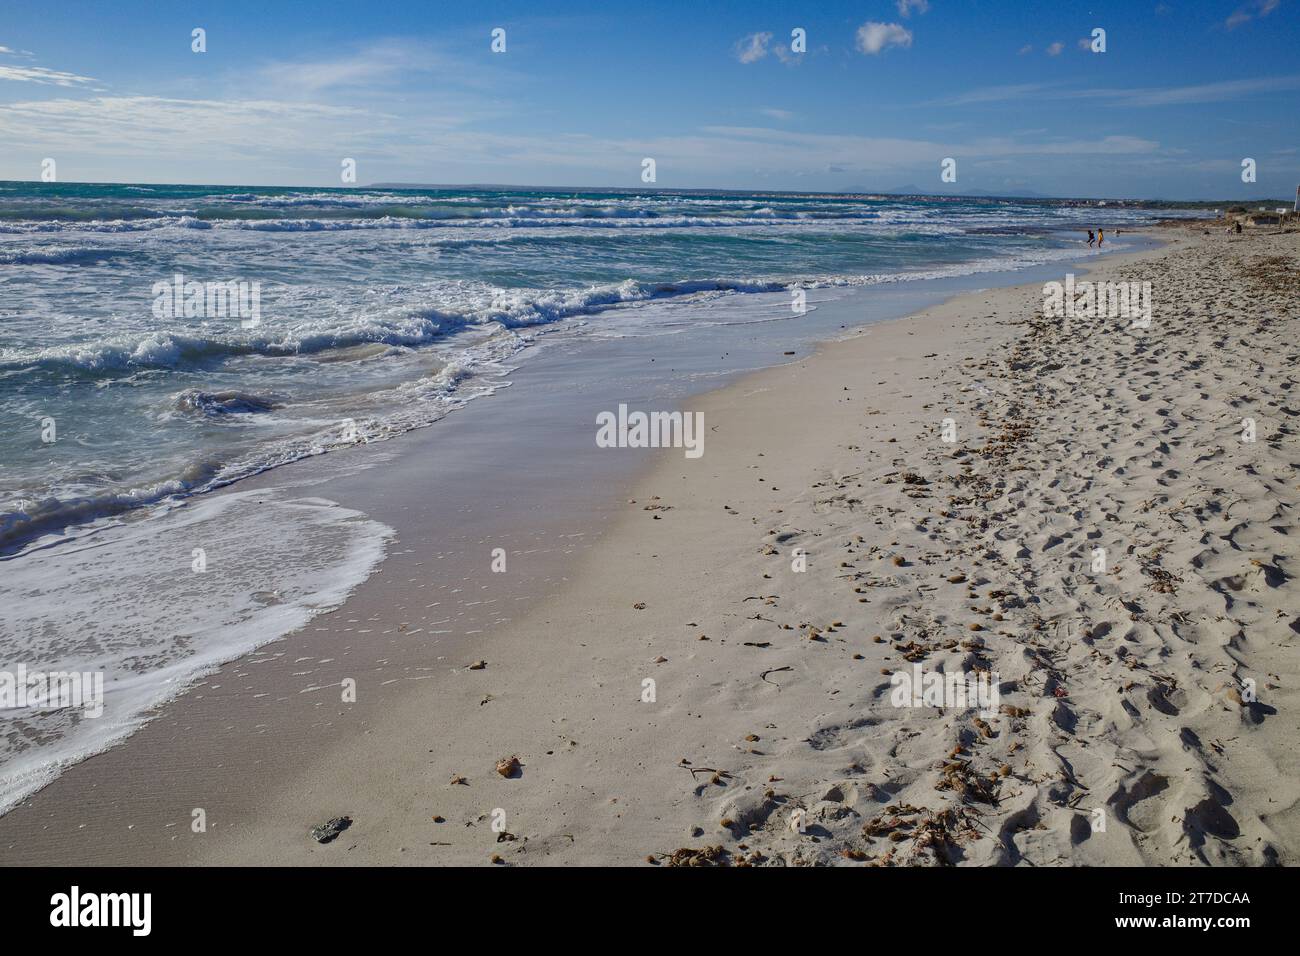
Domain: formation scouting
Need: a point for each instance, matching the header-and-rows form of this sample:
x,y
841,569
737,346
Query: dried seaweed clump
x,y
959,777
705,856
940,833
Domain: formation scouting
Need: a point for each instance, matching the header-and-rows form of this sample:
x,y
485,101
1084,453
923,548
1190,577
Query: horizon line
x,y
399,185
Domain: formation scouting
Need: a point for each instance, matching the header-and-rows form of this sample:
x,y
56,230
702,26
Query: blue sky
x,y
711,91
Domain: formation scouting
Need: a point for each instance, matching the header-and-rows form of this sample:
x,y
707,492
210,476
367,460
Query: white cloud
x,y
1055,49
1200,93
905,7
1027,48
752,48
379,64
1085,44
874,37
145,125
1256,8
786,55
38,74
1106,146
1138,96
247,141
883,152
776,113
994,94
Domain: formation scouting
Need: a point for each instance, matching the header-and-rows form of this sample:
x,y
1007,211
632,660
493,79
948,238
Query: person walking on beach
x,y
1101,237
1092,237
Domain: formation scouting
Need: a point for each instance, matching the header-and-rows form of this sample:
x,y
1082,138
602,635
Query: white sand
x,y
1121,690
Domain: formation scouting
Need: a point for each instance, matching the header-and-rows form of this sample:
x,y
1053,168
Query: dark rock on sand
x,y
326,832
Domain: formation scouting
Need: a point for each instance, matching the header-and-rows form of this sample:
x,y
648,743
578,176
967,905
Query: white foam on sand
x,y
127,601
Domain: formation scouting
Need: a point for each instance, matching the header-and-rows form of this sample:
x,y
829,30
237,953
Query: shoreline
x,y
259,591
528,676
316,658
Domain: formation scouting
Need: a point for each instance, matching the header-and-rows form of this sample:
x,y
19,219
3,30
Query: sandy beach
x,y
1062,506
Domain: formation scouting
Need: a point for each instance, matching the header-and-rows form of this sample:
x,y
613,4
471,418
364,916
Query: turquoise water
x,y
381,310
